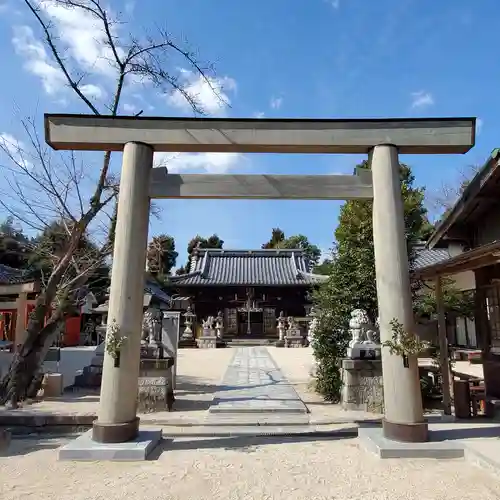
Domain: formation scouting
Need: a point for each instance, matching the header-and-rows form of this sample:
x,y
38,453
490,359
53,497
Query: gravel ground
x,y
296,365
199,372
256,468
241,468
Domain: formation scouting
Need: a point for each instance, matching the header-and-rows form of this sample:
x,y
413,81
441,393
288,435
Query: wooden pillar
x,y
443,347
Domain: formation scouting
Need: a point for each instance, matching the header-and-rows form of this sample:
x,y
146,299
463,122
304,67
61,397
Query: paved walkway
x,y
253,383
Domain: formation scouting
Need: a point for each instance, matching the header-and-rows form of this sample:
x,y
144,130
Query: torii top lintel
x,y
410,135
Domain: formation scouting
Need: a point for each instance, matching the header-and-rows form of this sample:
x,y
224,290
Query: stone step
x,y
257,419
307,431
285,407
249,342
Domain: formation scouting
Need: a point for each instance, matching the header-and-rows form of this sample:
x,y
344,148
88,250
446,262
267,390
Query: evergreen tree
x,y
161,256
15,247
278,240
351,284
199,242
325,268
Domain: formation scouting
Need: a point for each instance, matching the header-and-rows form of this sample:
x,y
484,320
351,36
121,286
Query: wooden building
x,y
473,224
460,330
18,292
249,287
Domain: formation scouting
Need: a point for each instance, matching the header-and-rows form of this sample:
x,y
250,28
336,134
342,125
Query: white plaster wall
x,y
465,281
73,360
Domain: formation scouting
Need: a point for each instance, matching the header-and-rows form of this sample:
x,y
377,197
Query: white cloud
x,y
259,114
83,35
36,59
479,125
91,90
129,108
210,94
212,163
276,102
80,38
421,99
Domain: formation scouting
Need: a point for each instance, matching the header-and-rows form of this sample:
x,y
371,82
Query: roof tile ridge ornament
x,y
204,265
186,275
194,258
294,266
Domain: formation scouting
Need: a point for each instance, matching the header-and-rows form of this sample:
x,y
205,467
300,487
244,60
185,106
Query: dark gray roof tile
x,y
249,268
11,276
425,257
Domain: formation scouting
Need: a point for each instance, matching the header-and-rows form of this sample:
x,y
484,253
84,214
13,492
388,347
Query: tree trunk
x,y
25,367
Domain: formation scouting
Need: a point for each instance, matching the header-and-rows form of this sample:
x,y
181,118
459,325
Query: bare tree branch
x,y
49,39
447,195
49,188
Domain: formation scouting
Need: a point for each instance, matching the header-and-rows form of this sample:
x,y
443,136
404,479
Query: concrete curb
x,y
35,420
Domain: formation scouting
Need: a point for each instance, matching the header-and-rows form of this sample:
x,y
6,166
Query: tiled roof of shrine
x,y
248,268
11,276
428,257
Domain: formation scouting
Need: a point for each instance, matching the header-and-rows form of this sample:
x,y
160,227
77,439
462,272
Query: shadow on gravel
x,y
25,446
465,433
246,443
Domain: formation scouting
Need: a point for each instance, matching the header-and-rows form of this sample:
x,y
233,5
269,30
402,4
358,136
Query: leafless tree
x,y
446,196
45,186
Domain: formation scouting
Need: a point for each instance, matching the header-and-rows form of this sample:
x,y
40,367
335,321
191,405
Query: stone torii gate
x,y
139,137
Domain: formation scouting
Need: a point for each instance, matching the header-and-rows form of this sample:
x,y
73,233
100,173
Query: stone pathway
x,y
252,386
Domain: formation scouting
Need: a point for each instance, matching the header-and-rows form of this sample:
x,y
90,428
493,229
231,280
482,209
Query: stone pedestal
x,y
170,334
187,343
52,385
364,351
362,385
294,340
207,342
156,390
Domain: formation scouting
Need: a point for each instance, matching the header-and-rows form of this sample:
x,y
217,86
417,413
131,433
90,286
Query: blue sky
x,y
280,58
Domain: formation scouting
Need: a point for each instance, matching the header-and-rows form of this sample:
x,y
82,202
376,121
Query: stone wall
x,y
363,388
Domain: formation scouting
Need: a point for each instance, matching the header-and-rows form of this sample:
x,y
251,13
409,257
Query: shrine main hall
x,y
249,287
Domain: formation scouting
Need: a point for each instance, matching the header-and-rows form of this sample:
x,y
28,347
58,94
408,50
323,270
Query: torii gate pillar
x,y
117,420
139,137
403,414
